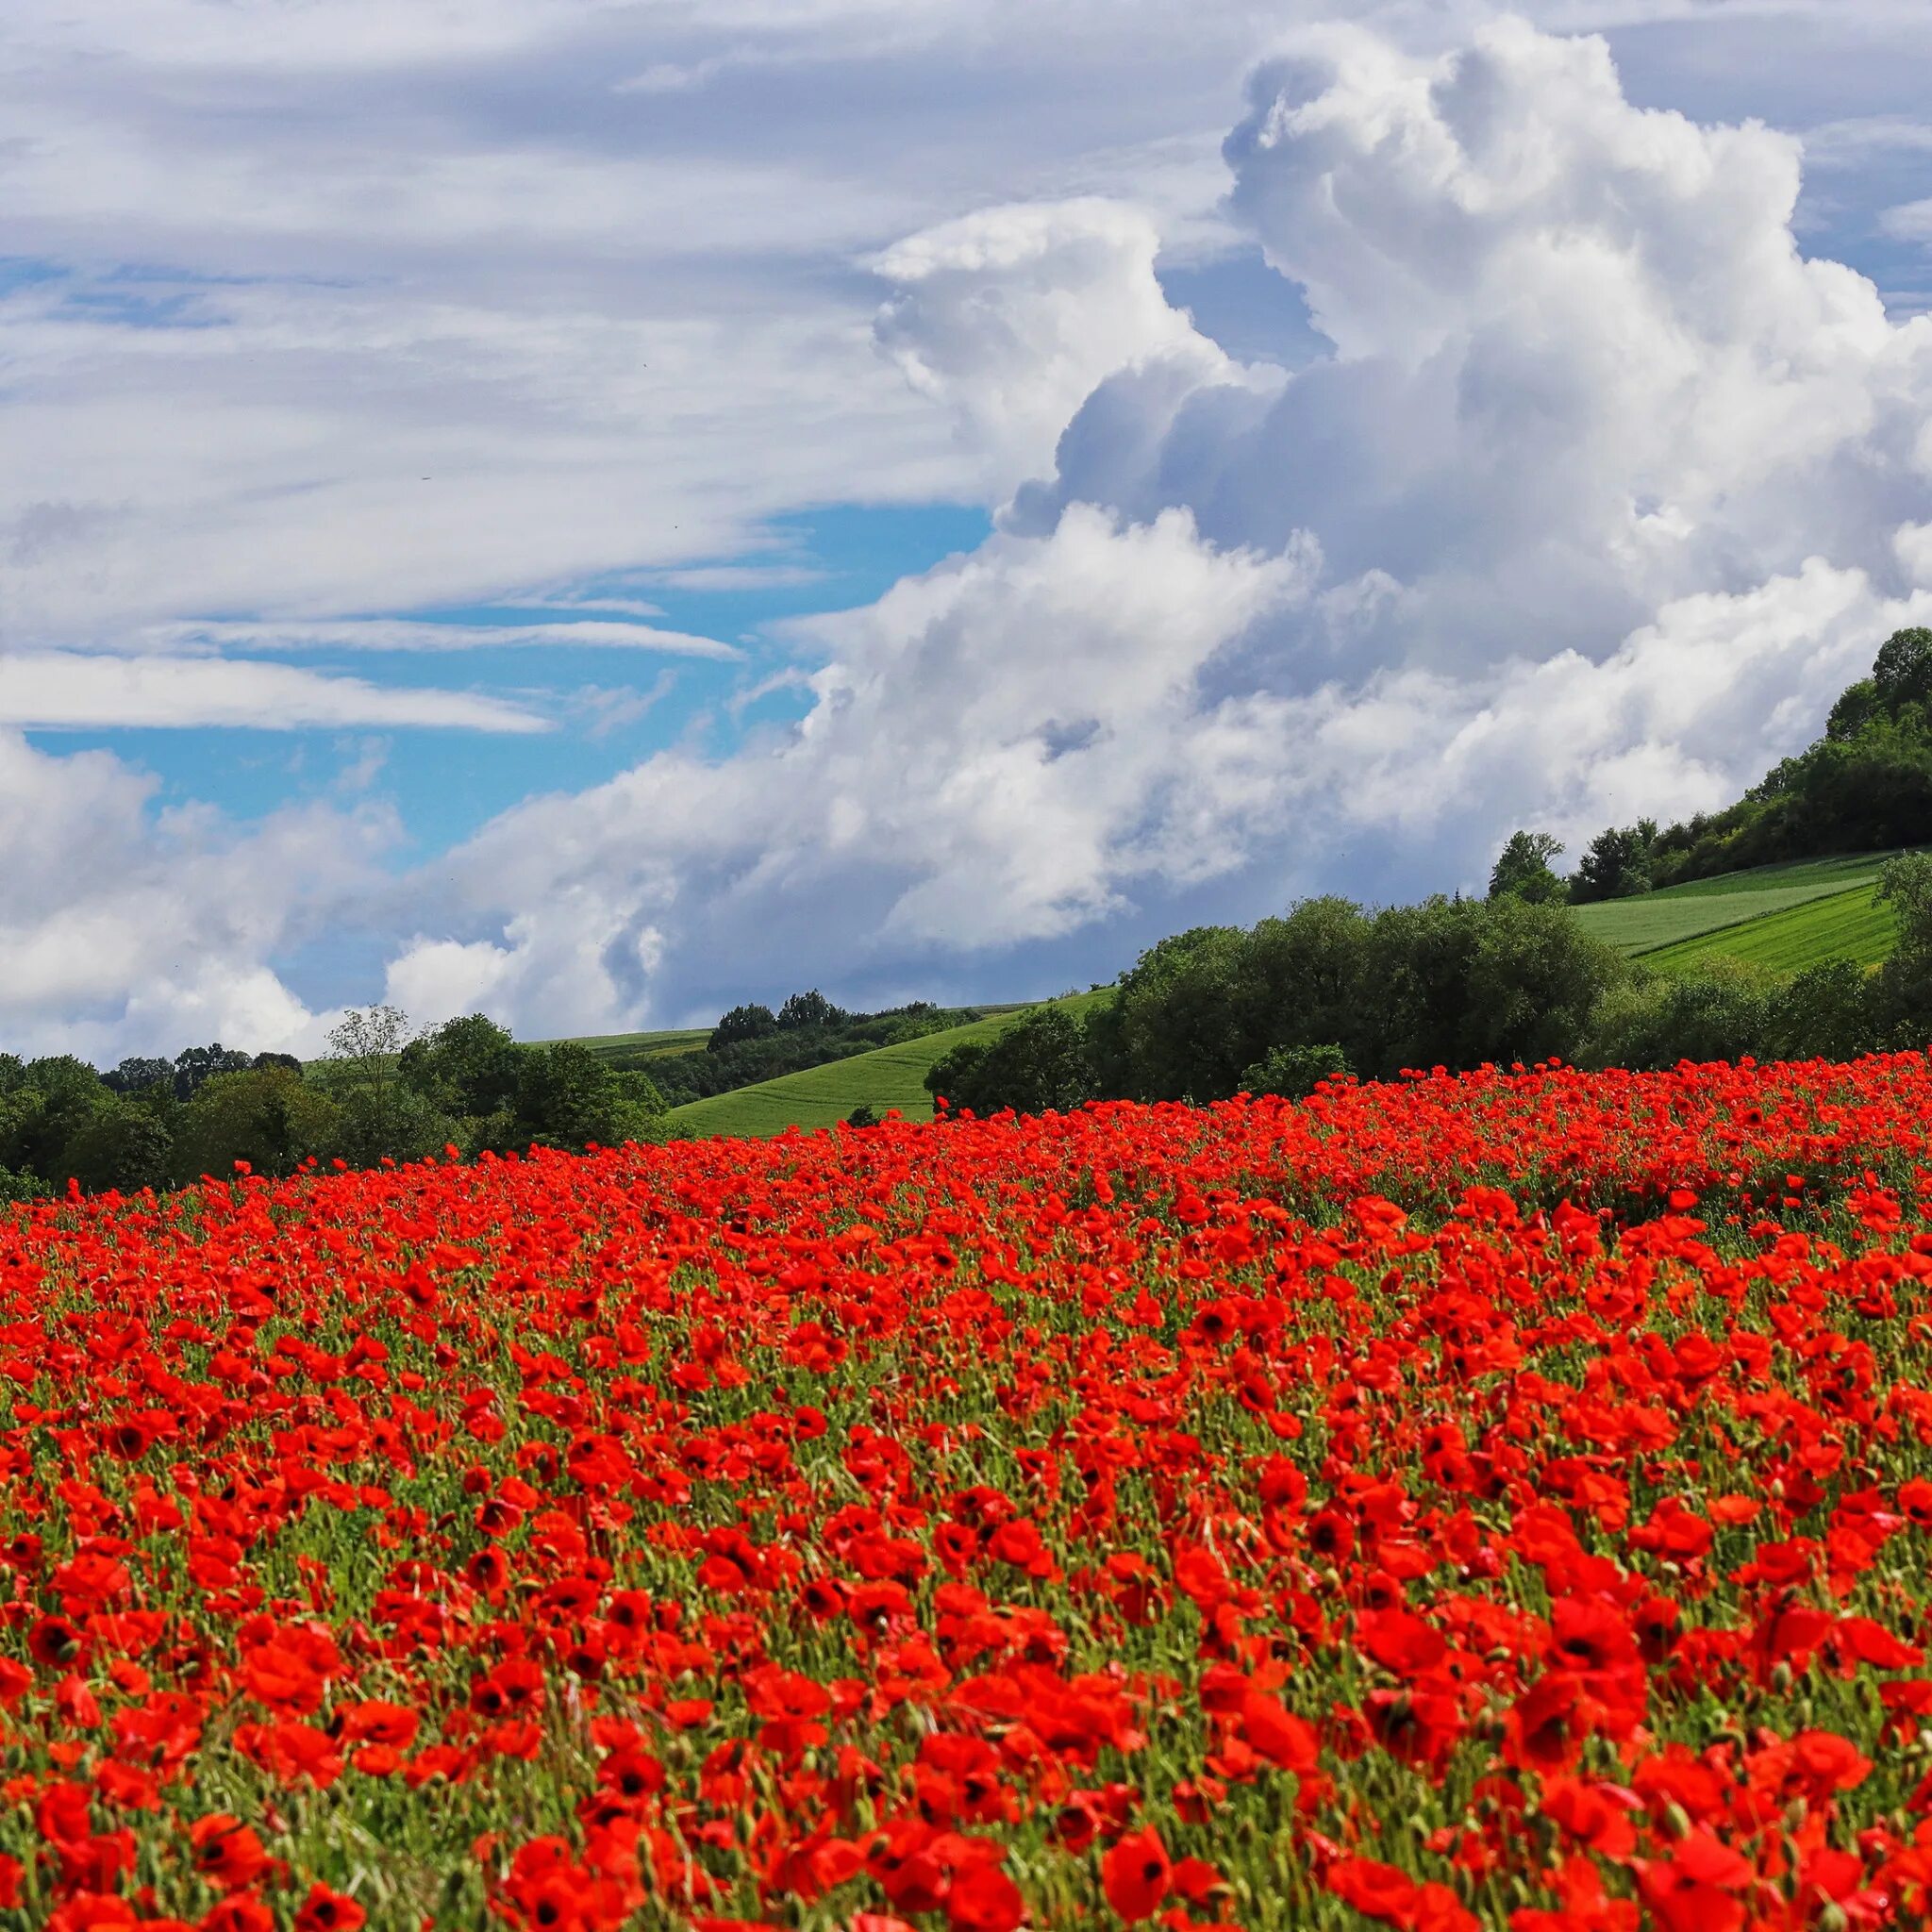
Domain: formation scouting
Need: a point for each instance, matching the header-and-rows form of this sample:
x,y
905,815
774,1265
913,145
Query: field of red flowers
x,y
1502,1501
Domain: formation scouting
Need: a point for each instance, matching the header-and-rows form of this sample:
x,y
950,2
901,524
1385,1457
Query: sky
x,y
593,510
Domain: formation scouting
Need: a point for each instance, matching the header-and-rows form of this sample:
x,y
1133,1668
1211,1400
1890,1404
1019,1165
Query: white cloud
x,y
402,633
1012,316
1604,494
69,688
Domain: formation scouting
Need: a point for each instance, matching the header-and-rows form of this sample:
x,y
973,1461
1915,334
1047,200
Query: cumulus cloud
x,y
1603,492
1010,317
127,925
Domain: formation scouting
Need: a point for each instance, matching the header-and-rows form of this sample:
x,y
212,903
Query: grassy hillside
x,y
630,1049
1845,926
889,1076
1645,925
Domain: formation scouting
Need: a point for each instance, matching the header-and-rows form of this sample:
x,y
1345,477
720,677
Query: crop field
x,y
1497,1501
888,1077
1847,925
635,1049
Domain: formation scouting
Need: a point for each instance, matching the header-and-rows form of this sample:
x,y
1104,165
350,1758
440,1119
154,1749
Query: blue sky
x,y
596,510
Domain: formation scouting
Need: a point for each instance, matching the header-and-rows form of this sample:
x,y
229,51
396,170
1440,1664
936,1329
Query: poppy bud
x,y
1675,1822
1831,1917
1781,1677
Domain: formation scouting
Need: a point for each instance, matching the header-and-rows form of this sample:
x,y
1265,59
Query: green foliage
x,y
467,1067
267,1116
120,1146
1619,863
1720,1012
195,1064
811,1009
1039,1064
567,1097
1523,869
1294,1071
741,1024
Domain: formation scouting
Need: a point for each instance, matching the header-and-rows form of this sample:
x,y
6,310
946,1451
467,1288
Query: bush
x,y
1038,1064
1720,1012
1294,1071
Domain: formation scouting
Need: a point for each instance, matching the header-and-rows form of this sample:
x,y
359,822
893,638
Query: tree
x,y
1294,1071
120,1146
742,1022
811,1009
467,1066
195,1064
1901,672
567,1097
48,1103
136,1075
1904,990
1617,864
268,1116
1038,1064
1523,869
365,1047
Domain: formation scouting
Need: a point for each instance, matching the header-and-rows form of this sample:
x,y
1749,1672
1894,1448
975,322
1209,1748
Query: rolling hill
x,y
889,1076
1785,917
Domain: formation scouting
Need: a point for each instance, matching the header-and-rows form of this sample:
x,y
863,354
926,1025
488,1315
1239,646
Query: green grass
x,y
888,1077
1847,925
1679,914
632,1048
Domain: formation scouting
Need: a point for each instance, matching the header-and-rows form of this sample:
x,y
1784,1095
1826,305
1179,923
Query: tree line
x,y
381,1092
1330,989
1864,785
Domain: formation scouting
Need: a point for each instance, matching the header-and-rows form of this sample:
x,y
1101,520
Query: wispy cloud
x,y
70,690
407,634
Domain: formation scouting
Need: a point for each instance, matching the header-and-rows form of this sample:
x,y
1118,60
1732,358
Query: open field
x,y
1463,1502
1643,926
888,1077
1845,926
631,1049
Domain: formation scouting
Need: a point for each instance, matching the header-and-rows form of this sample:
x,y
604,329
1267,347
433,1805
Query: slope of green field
x,y
633,1048
1640,926
888,1077
1847,925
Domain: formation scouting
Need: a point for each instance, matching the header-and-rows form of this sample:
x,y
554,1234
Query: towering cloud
x,y
1602,493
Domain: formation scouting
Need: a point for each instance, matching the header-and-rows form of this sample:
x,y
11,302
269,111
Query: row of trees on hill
x,y
380,1094
1331,989
1865,786
753,1044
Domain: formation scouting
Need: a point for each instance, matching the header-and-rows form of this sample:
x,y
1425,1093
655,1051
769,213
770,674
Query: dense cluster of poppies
x,y
1466,1502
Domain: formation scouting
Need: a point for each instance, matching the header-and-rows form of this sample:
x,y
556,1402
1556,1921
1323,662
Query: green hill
x,y
632,1049
889,1076
1845,926
1712,913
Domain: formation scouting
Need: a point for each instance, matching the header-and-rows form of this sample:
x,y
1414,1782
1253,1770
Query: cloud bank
x,y
1599,491
1603,491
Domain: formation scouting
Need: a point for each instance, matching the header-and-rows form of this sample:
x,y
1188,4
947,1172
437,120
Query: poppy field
x,y
1495,1501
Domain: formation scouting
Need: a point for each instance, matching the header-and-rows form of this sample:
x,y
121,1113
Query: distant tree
x,y
1856,706
739,1023
1523,869
863,1115
1617,864
1830,1011
1720,1010
811,1009
1294,1071
268,1116
136,1075
1038,1064
120,1146
361,1072
1901,672
567,1097
467,1067
275,1060
195,1064
45,1105
1905,989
